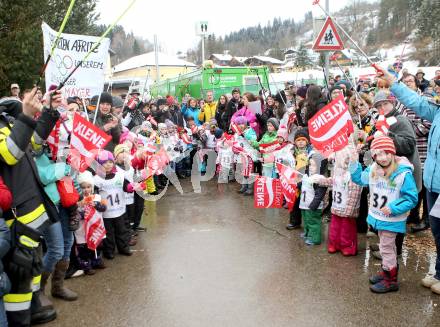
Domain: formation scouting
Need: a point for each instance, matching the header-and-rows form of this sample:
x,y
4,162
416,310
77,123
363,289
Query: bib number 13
x,y
383,201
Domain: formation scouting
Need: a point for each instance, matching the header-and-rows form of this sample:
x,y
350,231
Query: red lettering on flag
x,y
331,127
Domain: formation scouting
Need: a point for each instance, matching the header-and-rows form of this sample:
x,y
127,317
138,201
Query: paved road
x,y
211,259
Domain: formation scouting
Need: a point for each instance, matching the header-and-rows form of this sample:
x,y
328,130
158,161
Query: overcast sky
x,y
174,21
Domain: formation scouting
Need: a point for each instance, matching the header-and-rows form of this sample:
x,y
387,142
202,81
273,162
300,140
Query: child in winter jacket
x,y
88,259
269,137
123,164
112,185
342,232
246,134
302,150
312,196
393,193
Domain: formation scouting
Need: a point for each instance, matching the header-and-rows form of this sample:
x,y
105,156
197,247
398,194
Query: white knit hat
x,y
86,177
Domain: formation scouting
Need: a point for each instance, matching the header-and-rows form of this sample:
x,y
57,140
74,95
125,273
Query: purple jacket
x,y
251,118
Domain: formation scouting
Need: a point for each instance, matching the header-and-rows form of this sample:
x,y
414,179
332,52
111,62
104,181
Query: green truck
x,y
220,80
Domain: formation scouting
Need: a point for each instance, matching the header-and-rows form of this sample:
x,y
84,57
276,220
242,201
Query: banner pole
x,y
97,44
63,25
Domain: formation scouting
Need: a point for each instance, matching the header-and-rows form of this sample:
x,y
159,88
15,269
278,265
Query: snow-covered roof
x,y
268,59
222,57
241,59
148,59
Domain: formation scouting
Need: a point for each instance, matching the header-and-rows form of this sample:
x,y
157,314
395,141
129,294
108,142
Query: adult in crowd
x,y
33,210
268,112
421,129
233,106
132,112
15,91
174,113
429,111
207,112
312,104
107,122
190,111
422,82
221,111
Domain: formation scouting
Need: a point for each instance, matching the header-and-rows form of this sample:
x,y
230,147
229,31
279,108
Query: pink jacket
x,y
251,118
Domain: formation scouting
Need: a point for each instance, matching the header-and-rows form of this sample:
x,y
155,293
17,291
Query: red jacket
x,y
5,196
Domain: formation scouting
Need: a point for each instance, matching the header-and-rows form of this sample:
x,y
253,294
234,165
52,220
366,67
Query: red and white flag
x,y
53,140
267,193
235,128
157,163
288,183
185,138
85,142
94,227
331,127
270,147
382,124
152,120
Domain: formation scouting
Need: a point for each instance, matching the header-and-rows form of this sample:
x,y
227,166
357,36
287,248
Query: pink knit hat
x,y
282,132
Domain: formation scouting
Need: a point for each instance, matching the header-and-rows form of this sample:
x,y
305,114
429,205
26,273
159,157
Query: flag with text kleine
x,y
85,142
94,227
331,127
288,177
267,193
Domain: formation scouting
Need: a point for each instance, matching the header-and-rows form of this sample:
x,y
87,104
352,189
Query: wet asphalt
x,y
211,259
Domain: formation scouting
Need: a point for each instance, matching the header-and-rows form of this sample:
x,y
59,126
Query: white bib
x,y
112,190
382,193
340,191
307,194
129,176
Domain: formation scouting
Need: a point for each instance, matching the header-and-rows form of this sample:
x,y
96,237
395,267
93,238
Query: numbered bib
x,y
112,190
307,194
340,192
382,193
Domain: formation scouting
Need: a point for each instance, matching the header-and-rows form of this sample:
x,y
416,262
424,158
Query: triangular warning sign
x,y
328,38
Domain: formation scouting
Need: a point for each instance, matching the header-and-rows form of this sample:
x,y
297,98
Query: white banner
x,y
88,80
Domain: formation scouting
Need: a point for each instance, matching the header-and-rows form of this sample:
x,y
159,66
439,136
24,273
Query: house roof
x,y
267,59
222,57
148,59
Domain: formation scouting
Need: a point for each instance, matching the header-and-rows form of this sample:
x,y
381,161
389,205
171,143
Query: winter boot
x,y
44,300
388,283
243,188
39,314
250,190
58,289
378,277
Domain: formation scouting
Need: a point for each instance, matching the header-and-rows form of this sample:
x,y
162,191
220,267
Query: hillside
x,y
375,26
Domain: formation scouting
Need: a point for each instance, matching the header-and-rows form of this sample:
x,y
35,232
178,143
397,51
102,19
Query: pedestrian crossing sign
x,y
328,39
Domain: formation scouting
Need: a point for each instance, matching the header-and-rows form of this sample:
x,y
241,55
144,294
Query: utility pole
x,y
203,48
327,53
156,58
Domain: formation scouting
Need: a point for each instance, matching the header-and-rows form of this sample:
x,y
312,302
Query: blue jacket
x,y
189,112
408,196
49,173
431,112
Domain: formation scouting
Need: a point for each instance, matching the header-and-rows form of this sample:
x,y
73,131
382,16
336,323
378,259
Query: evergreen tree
x,y
302,59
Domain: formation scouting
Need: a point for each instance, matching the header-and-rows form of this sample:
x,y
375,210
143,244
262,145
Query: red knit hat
x,y
384,143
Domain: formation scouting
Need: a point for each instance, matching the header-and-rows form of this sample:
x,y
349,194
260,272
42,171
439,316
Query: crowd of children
x,y
170,140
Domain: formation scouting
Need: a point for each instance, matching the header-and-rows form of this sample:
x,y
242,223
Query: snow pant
x,y
312,224
138,210
435,229
295,215
387,248
117,235
88,259
361,220
130,213
342,235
